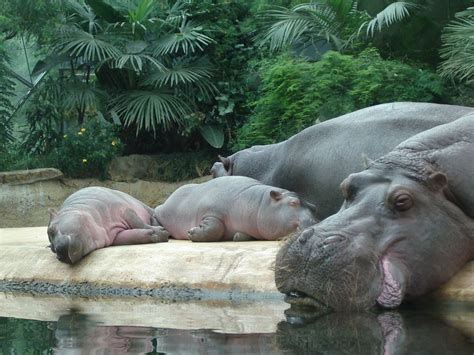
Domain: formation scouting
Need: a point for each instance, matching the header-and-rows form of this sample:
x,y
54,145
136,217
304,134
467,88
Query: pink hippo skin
x,y
232,208
98,217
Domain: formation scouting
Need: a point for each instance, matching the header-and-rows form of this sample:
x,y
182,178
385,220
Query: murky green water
x,y
409,331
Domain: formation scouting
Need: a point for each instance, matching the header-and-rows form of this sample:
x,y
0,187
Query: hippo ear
x,y
276,195
225,161
366,161
52,213
438,181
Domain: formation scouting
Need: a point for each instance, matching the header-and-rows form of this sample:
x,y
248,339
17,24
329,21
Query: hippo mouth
x,y
298,298
391,295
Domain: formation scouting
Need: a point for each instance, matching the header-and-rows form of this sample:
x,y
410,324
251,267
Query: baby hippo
x,y
232,208
97,217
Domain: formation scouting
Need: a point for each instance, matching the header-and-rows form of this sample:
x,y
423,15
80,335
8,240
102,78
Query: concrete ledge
x,y
178,270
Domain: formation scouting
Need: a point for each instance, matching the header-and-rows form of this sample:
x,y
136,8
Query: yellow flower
x,y
83,129
84,161
114,143
65,136
79,133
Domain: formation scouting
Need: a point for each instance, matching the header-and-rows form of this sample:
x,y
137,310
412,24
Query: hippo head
x,y
286,214
394,238
67,238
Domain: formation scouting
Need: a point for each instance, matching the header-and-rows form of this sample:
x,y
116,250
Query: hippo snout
x,y
67,249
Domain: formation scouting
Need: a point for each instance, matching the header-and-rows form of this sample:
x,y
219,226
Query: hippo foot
x,y
159,235
192,233
242,237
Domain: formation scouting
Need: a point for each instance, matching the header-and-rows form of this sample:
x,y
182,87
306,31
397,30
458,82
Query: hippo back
x,y
315,161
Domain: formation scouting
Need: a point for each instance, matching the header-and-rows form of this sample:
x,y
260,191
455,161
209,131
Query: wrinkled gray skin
x,y
313,162
98,217
405,227
232,208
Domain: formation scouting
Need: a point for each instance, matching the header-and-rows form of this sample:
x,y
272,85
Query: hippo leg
x,y
211,229
141,232
140,236
242,237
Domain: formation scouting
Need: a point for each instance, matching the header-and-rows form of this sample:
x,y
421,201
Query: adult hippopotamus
x,y
97,217
313,162
230,208
406,227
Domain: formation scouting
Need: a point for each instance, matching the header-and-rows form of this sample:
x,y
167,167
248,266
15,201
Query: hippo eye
x,y
403,201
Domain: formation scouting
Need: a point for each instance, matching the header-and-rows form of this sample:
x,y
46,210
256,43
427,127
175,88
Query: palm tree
x,y
336,22
145,63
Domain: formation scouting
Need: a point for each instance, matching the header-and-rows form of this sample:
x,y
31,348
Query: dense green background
x,y
82,81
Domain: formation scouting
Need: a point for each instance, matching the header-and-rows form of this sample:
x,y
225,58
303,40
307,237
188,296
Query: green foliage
x,y
6,93
295,93
331,21
457,49
183,166
86,151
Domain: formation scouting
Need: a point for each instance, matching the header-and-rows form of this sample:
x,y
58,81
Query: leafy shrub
x,y
86,151
295,93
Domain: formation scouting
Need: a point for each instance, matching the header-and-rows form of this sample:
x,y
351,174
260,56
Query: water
x,y
124,326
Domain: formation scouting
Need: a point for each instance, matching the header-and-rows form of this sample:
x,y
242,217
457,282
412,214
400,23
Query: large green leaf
x,y
214,135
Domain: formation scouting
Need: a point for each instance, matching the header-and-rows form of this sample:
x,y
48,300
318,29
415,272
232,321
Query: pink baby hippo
x,y
98,217
233,208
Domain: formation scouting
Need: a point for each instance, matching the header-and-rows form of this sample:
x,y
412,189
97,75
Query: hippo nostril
x,y
334,239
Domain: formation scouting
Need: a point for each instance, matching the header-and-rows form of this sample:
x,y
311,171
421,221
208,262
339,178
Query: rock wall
x,y
25,199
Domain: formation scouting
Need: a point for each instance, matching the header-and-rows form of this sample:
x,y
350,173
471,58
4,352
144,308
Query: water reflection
x,y
79,334
386,333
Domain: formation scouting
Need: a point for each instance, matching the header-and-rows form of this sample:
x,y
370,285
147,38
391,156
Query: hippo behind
x,y
232,207
313,162
97,217
405,228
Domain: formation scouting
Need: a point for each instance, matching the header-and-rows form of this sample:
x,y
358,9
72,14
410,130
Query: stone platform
x,y
177,270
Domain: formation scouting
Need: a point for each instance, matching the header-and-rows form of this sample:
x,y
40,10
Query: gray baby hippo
x,y
233,208
98,217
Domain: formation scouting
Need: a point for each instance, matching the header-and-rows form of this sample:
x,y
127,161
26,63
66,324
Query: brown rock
x,y
22,177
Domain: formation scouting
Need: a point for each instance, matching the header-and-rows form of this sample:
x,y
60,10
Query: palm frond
x,y
78,43
86,14
149,109
136,62
457,51
187,76
288,26
393,13
189,38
